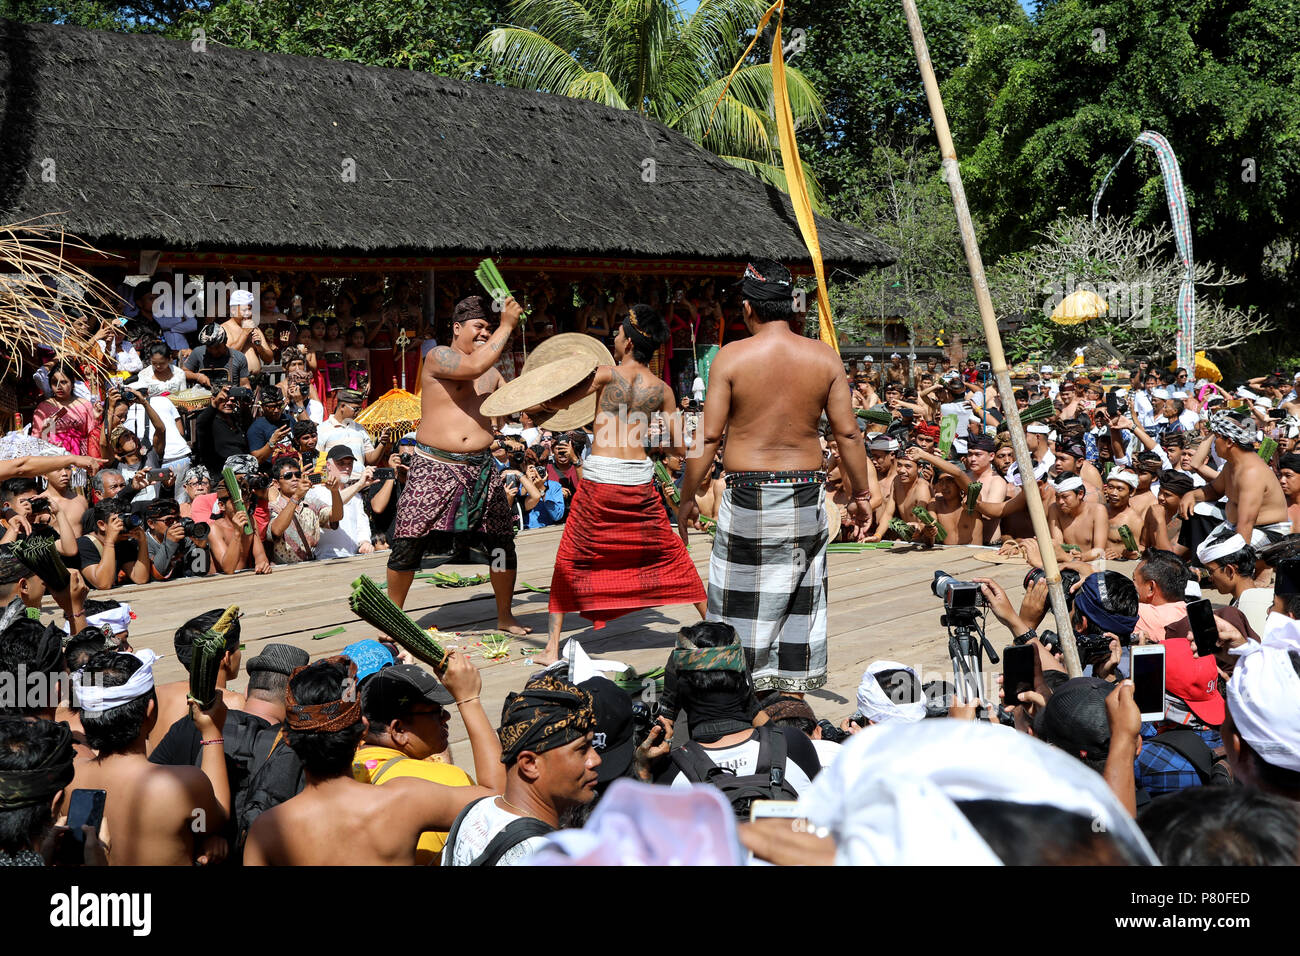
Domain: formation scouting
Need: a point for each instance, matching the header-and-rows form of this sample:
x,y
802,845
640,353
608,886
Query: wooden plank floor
x,y
880,607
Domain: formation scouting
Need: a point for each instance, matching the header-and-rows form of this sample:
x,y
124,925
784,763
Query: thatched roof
x,y
157,146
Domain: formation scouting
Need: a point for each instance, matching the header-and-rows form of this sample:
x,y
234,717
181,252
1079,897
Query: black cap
x,y
613,739
279,659
390,694
1075,718
339,452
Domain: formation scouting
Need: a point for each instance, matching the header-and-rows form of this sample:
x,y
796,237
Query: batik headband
x,y
332,715
550,712
687,657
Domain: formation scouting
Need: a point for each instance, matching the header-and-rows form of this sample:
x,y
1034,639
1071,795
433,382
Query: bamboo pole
x,y
997,358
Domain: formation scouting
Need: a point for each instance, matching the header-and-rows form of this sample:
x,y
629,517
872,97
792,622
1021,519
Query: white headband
x,y
94,699
1160,393
1037,429
241,297
882,444
1211,550
1264,697
891,796
1128,477
1069,483
118,618
875,704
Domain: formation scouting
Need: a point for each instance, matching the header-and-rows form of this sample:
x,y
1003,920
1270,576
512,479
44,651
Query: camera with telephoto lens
x,y
1090,646
195,529
258,481
831,732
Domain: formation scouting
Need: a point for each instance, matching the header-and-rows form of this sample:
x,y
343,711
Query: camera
x,y
195,529
643,719
1069,578
40,506
831,732
1090,646
956,595
258,481
984,368
243,396
405,458
131,522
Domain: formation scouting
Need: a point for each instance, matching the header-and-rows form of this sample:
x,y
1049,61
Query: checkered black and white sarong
x,y
767,579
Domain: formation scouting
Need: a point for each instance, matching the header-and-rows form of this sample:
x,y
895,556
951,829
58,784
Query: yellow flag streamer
x,y
796,184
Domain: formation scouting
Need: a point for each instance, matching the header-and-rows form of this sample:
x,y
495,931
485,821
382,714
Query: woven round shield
x,y
833,518
581,412
544,383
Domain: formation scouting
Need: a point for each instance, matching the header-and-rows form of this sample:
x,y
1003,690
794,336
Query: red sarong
x,y
619,554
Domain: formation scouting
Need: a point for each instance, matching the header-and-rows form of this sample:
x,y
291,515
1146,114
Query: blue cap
x,y
370,657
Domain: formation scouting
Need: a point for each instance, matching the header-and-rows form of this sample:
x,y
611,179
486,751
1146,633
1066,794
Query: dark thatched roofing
x,y
158,146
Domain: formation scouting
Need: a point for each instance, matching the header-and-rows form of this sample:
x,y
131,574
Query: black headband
x,y
26,788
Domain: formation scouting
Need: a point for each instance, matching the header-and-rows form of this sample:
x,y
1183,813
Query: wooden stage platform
x,y
880,608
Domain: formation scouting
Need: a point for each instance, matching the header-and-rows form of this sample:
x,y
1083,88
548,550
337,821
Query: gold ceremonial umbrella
x,y
1079,306
396,410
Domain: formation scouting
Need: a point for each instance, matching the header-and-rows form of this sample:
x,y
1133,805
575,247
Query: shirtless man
x,y
1162,523
768,393
1120,513
948,500
979,467
337,820
907,491
1147,466
59,484
881,450
250,341
618,553
1070,460
454,503
1288,474
151,811
171,699
231,549
1257,507
1078,520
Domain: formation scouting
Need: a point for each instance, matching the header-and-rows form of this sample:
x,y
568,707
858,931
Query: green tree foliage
x,y
909,206
653,57
434,36
99,14
1043,109
858,55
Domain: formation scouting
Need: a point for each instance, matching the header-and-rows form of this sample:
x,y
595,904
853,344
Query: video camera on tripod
x,y
964,604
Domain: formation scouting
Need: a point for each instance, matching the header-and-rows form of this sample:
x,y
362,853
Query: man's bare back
x,y
629,396
778,386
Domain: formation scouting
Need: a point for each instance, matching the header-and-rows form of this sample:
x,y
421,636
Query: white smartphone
x,y
782,809
1148,663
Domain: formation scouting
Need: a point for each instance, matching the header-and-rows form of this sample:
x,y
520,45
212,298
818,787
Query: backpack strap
x,y
385,768
694,763
454,832
772,752
1189,745
515,833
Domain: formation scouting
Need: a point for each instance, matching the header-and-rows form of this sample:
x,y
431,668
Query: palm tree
x,y
649,56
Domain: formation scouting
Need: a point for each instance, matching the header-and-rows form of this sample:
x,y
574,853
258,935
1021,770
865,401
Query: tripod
x,y
966,647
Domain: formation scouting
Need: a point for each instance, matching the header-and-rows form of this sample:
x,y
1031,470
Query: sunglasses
x,y
287,475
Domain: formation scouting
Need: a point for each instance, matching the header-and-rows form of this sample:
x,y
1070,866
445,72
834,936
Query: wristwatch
x,y
1025,638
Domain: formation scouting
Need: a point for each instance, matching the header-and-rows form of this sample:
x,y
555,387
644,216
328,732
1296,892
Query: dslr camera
x,y
194,529
1090,646
244,396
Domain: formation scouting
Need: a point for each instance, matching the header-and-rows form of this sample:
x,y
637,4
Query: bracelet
x,y
467,700
217,740
863,496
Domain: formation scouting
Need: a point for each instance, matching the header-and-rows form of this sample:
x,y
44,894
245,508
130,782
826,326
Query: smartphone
x,y
1205,630
767,809
1148,663
315,477
1017,672
1112,404
85,808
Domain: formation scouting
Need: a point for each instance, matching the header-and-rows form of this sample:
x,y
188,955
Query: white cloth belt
x,y
604,470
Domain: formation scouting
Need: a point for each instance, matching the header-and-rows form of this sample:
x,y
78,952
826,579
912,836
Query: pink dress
x,y
72,432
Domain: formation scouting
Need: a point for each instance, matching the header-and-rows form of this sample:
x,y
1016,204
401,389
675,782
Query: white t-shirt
x,y
827,751
531,436
1254,604
331,433
176,446
354,527
483,822
156,386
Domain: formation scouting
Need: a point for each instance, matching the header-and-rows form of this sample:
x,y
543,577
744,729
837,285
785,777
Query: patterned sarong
x,y
438,493
767,579
619,553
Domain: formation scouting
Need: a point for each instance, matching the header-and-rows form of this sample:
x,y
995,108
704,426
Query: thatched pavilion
x,y
222,157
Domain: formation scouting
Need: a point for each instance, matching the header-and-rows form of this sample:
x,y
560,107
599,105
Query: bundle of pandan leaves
x,y
205,665
374,607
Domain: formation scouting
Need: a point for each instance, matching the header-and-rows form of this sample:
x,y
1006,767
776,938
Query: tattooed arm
x,y
450,363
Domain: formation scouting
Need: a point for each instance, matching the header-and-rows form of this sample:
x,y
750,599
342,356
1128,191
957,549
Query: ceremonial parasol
x,y
1079,306
1204,368
396,410
583,411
